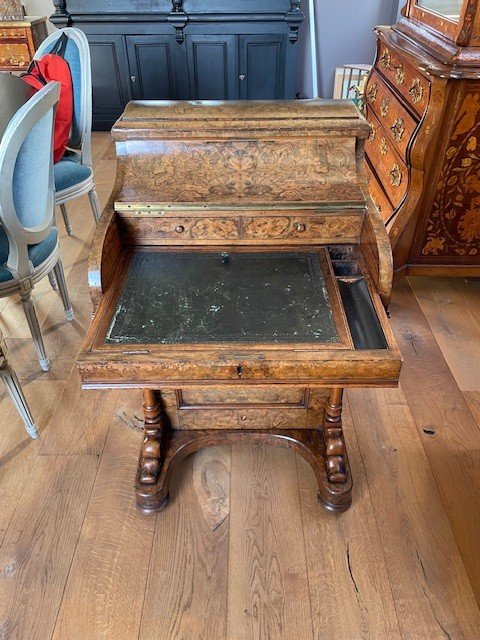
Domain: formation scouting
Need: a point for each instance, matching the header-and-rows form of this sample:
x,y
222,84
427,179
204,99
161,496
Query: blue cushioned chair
x,y
74,173
28,237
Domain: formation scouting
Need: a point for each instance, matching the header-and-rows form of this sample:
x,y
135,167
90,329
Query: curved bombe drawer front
x,y
408,81
398,126
252,227
389,167
377,194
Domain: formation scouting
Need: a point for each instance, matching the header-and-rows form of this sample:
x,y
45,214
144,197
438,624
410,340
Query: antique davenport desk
x,y
239,275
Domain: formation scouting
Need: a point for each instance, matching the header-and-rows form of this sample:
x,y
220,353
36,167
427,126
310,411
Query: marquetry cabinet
x,y
423,155
192,50
19,39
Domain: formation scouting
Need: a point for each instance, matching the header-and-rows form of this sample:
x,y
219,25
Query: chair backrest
x,y
27,197
77,55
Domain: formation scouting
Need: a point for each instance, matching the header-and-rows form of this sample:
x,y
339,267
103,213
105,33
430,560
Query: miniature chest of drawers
x,y
19,39
423,107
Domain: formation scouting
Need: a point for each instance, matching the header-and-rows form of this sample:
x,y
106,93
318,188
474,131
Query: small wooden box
x,y
19,39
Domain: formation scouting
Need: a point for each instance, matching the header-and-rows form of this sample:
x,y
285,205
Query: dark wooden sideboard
x,y
185,50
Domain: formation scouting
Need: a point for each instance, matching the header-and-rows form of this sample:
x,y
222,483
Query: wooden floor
x,y
244,551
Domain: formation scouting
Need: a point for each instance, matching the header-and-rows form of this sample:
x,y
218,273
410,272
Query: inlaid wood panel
x,y
14,55
279,394
244,418
390,168
407,80
323,229
398,124
12,33
179,230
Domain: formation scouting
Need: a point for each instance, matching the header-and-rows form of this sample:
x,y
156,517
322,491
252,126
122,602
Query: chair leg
x,y
51,279
68,228
62,285
92,194
16,394
32,319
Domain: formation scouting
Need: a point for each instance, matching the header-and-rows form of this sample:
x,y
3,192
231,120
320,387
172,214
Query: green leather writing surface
x,y
198,297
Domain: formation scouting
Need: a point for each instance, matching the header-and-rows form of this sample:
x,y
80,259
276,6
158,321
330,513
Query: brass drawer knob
x,y
180,228
301,227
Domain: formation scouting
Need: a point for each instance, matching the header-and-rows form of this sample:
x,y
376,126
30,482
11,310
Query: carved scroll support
x,y
335,452
178,18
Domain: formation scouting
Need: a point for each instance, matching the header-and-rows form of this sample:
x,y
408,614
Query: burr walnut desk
x,y
239,275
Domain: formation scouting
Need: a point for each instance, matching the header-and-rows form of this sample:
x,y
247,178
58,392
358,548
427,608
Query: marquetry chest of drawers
x,y
422,103
19,39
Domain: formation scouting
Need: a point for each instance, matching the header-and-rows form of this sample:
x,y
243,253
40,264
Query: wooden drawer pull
x,y
398,129
396,176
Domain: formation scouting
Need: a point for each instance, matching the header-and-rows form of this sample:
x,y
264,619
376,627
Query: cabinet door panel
x,y
153,69
212,66
262,63
110,88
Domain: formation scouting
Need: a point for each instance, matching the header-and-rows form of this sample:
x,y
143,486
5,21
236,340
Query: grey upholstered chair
x,y
28,236
74,172
9,377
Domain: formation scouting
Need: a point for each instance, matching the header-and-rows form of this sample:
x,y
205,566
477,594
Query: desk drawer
x,y
407,80
178,230
14,55
13,33
398,124
391,170
327,229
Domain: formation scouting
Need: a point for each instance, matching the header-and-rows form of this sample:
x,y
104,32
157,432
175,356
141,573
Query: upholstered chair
x,y
29,248
74,172
9,377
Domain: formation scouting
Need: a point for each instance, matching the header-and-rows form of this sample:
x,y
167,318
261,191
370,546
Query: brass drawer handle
x,y
386,59
301,227
383,147
416,91
398,129
373,132
180,228
396,176
372,93
385,107
399,74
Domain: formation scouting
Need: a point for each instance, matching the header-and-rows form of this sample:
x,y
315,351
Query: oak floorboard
x,y
473,401
38,547
17,450
430,586
106,584
347,573
186,594
447,429
268,591
449,308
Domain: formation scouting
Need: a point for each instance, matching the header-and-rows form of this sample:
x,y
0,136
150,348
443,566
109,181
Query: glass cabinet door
x,y
447,8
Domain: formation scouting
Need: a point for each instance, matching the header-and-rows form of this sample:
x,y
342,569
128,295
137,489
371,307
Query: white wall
x,y
40,8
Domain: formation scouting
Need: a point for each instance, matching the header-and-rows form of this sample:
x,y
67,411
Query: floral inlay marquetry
x,y
385,107
386,59
395,176
383,147
398,129
416,91
453,227
372,93
400,74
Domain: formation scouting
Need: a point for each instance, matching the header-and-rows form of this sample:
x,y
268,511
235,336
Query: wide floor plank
x,y
430,586
448,431
347,573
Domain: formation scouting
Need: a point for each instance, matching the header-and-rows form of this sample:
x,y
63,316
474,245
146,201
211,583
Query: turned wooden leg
x,y
151,447
334,443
